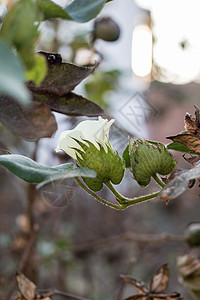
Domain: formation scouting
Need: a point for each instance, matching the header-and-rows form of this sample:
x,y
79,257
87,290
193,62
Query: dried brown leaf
x,y
26,287
190,141
192,125
189,271
160,280
188,265
158,284
139,285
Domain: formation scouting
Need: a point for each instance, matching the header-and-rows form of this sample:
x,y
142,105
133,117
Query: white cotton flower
x,y
94,131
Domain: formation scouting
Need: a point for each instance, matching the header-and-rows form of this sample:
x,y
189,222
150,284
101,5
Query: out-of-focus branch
x,y
118,239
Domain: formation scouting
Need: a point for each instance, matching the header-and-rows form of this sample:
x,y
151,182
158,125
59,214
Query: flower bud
x,y
147,160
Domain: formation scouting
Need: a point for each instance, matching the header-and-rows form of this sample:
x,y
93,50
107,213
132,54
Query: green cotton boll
x,y
108,165
20,31
147,160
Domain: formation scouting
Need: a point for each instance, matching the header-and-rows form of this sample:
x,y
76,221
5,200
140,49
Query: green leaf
x,y
32,122
180,183
70,104
147,160
84,10
12,75
179,147
51,10
39,70
31,171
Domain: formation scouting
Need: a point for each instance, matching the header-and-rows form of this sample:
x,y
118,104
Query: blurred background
x,y
147,80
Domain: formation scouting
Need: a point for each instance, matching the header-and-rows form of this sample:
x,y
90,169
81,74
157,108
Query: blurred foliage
x,y
12,75
99,84
79,41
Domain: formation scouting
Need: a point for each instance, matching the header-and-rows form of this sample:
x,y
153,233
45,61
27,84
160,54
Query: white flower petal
x,y
95,131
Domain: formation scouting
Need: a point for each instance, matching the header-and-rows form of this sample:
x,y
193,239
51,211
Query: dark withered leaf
x,y
180,183
160,280
61,77
139,285
190,141
192,159
174,296
69,104
30,122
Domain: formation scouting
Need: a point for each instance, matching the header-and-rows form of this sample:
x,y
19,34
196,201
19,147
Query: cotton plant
x,y
88,144
97,163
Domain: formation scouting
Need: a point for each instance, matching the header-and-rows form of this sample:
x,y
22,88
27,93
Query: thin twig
x,y
123,283
28,249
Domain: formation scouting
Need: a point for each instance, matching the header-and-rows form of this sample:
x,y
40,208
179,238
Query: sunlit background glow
x,y
142,50
176,47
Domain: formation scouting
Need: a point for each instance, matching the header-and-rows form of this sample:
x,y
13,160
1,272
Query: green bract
x,y
147,159
107,164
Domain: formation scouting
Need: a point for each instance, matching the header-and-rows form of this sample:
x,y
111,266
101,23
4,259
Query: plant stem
x,y
158,180
124,203
96,196
120,198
